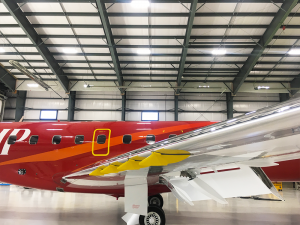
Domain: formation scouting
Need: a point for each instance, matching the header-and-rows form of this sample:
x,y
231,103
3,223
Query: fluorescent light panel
x,y
219,52
2,50
32,85
140,3
294,52
70,50
263,87
144,51
88,85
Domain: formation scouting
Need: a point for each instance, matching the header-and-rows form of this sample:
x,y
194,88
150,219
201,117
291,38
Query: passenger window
x,y
56,139
172,135
33,139
127,139
101,139
150,139
12,139
79,139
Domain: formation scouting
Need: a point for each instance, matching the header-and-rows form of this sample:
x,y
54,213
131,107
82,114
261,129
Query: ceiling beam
x,y
152,54
296,63
199,74
97,26
110,40
203,45
168,37
185,75
7,78
119,14
186,41
186,70
160,81
281,15
30,32
154,1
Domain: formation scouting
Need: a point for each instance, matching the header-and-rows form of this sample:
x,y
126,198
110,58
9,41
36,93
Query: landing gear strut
x,y
155,216
156,200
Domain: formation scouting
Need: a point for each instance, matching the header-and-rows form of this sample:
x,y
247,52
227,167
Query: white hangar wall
x,y
106,106
139,101
95,105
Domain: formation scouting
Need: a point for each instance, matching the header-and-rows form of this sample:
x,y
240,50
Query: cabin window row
x,y
79,139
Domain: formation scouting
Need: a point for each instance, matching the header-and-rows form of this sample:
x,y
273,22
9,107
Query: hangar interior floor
x,y
36,207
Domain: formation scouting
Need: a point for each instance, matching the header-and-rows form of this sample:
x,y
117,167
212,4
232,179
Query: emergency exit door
x,y
101,142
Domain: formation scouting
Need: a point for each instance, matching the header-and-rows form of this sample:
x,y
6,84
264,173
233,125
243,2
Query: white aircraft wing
x,y
216,162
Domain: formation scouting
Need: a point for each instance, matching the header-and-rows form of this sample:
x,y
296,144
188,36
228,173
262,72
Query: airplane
x,y
139,161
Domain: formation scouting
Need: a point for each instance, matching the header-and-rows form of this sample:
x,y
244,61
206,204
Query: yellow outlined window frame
x,y
108,142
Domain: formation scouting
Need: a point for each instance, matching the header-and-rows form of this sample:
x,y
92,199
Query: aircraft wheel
x,y
156,200
155,216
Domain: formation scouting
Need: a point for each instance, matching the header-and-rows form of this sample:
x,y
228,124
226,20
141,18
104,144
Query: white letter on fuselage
x,y
15,131
3,133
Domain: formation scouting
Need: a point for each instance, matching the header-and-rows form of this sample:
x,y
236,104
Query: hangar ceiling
x,y
177,45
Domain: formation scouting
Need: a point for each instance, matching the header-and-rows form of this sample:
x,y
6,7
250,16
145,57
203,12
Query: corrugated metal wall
x,y
107,105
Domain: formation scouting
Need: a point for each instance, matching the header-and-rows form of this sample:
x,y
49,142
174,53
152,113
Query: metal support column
x,y
175,107
123,106
229,103
71,107
284,97
20,105
2,109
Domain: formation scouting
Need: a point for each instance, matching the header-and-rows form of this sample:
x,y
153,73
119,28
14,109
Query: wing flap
x,y
221,185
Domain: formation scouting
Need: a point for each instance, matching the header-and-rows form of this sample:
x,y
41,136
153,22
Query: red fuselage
x,y
46,163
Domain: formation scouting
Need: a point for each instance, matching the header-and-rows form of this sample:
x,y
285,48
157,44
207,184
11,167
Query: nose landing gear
x,y
155,216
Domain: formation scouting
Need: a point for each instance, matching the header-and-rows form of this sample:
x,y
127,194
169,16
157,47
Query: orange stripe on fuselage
x,y
63,153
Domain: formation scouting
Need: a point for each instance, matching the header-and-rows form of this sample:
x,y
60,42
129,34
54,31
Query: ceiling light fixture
x,y
261,87
88,86
27,73
203,86
144,51
219,52
2,50
294,52
140,3
32,85
70,50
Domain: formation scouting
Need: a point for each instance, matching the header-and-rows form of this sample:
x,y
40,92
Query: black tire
x,y
155,216
156,200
